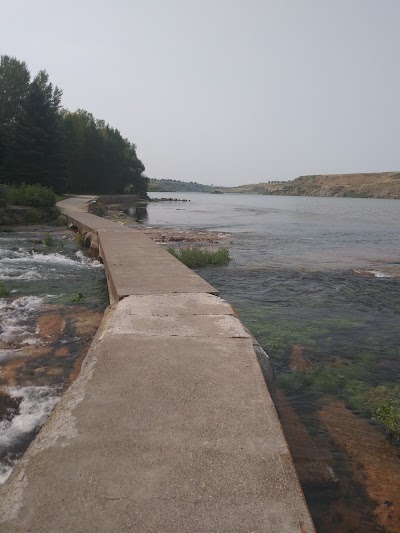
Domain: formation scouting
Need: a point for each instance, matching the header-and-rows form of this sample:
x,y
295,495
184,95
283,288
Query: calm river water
x,y
317,281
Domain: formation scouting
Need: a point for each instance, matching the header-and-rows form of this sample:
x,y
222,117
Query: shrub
x,y
49,240
78,297
198,257
32,196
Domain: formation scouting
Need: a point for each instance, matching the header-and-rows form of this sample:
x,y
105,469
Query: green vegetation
x,y
166,185
42,143
4,292
78,297
31,196
381,403
198,257
80,239
49,240
384,401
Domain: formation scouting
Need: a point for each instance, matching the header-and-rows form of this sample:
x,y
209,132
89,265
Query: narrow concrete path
x,y
168,428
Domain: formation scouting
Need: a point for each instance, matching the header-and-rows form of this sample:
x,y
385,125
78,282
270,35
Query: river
x,y
47,320
317,281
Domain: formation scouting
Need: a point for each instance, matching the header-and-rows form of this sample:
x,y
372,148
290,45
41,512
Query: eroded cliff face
x,y
367,185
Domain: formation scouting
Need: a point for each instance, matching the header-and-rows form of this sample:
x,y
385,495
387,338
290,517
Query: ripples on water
x,y
317,281
43,335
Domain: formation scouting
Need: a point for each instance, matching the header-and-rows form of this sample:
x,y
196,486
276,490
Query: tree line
x,y
43,143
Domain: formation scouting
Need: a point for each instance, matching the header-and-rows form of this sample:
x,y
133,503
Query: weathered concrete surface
x,y
136,265
168,428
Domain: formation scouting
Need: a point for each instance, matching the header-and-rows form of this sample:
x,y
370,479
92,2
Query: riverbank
x,y
366,185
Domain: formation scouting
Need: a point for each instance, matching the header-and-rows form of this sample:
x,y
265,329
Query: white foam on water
x,y
7,253
14,320
379,274
25,265
36,405
6,470
36,257
7,273
87,261
374,273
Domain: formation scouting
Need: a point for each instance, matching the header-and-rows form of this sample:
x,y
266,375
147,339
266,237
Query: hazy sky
x,y
226,91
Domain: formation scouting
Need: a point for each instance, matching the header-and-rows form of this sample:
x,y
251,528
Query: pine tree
x,y
36,154
14,86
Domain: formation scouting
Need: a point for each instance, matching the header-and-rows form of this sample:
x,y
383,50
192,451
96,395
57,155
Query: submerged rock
x,y
376,461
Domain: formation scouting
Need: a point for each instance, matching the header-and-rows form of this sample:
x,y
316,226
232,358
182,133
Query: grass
x,y
198,257
80,239
49,240
4,292
78,297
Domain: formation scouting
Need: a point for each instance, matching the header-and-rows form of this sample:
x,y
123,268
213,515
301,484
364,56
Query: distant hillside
x,y
165,185
371,185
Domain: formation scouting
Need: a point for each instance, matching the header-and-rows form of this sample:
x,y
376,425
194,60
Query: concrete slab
x,y
88,222
76,203
178,325
172,304
161,434
136,265
185,315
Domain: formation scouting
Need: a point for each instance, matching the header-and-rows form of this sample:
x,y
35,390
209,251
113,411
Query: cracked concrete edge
x,y
178,304
57,431
269,378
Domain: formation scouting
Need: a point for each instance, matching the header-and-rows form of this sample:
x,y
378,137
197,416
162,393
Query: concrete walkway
x,y
169,427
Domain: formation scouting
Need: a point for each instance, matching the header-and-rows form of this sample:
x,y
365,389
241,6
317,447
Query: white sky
x,y
226,91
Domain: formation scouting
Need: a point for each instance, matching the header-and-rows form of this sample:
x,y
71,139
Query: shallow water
x,y
46,324
317,281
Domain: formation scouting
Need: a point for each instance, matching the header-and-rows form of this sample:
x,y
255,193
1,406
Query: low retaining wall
x,y
169,426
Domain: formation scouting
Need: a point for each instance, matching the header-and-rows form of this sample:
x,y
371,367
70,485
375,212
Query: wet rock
x,y
312,463
85,321
376,461
62,352
51,326
297,360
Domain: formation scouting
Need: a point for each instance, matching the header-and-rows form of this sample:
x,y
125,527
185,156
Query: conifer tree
x,y
36,154
14,86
